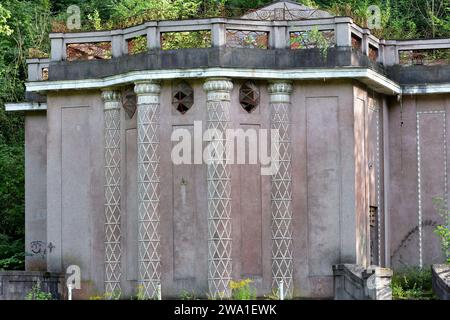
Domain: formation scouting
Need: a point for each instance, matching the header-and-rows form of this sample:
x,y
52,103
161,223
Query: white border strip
x,y
419,190
380,210
25,106
382,83
419,172
427,88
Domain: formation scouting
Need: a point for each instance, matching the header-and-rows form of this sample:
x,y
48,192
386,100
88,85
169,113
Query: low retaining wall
x,y
354,282
15,285
441,280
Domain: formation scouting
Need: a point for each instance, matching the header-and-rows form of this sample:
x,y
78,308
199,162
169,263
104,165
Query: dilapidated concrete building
x,y
362,151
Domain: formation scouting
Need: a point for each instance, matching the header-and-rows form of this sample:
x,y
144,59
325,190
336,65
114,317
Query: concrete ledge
x,y
354,282
209,58
419,74
441,280
15,285
371,78
426,88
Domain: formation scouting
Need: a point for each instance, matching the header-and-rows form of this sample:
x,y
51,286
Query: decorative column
x,y
281,194
113,247
219,188
148,186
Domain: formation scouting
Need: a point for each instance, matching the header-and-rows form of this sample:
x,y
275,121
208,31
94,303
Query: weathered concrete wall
x,y
361,208
129,208
418,74
441,280
354,282
328,214
369,168
251,208
318,239
75,197
208,58
15,285
36,191
183,201
418,138
323,184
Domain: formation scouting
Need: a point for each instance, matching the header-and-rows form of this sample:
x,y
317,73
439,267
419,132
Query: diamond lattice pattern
x,y
113,247
282,265
148,199
219,203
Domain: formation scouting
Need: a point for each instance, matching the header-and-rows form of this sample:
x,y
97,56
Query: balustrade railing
x,y
231,32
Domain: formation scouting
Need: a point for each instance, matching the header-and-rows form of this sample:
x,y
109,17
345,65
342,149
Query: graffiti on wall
x,y
39,248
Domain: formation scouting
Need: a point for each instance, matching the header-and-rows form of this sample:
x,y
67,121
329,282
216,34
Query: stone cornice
x,y
377,81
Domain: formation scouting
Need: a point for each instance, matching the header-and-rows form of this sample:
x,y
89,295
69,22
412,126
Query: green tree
x,y
4,16
28,29
155,9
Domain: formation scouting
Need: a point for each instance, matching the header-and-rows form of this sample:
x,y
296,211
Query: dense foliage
x,y
24,24
36,293
442,230
412,284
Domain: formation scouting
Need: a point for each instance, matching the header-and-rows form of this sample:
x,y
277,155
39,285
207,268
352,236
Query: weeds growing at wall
x,y
188,295
443,230
242,290
412,284
116,295
36,293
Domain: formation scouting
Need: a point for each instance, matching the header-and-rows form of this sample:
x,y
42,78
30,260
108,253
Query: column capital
x,y
147,87
280,91
218,89
147,91
111,98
